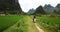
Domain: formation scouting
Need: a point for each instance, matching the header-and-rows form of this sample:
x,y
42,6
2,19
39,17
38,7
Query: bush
x,y
52,15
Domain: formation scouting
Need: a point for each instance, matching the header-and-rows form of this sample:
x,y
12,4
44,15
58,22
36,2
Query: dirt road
x,y
39,29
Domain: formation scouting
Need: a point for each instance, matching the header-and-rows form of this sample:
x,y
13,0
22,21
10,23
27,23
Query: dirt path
x,y
31,27
39,29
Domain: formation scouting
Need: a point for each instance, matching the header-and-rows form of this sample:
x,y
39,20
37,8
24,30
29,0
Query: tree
x,y
55,11
59,12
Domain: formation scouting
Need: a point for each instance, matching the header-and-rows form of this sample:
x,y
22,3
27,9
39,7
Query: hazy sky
x,y
28,4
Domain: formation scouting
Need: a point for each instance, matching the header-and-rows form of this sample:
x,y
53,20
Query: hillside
x,y
31,11
10,6
48,9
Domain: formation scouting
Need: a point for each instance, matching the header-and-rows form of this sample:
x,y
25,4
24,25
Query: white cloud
x,y
28,4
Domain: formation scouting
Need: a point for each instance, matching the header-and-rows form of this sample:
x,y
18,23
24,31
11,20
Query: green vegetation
x,y
13,19
17,24
49,24
20,26
7,21
24,23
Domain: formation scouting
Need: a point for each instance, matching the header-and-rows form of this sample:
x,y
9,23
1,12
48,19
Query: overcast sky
x,y
28,4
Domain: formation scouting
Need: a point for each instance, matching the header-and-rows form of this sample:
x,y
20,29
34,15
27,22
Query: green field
x,y
15,23
24,23
49,24
7,21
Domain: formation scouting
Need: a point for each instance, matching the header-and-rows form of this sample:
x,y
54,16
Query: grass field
x,y
24,23
7,21
49,24
15,23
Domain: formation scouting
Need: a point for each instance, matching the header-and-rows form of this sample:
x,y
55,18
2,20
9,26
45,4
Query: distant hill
x,y
31,11
48,6
58,5
39,10
48,9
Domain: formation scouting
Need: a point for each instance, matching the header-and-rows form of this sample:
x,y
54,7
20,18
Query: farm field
x,y
7,21
24,23
21,23
49,24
